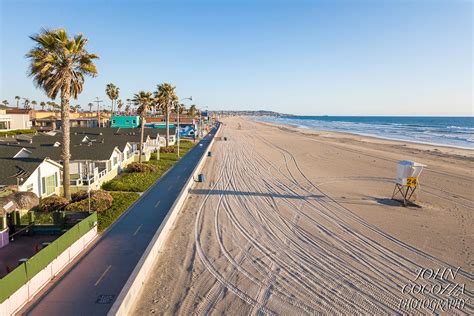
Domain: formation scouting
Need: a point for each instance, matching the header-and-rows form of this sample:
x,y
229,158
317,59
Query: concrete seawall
x,y
132,289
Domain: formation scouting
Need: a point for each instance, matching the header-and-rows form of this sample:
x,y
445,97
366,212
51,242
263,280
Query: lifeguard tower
x,y
406,183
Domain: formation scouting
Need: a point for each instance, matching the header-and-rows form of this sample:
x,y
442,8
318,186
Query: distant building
x,y
13,119
124,121
51,120
51,124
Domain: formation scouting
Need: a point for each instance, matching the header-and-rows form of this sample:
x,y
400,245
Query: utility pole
x,y
98,101
177,114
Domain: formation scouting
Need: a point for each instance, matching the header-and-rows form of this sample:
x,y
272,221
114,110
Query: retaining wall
x,y
26,292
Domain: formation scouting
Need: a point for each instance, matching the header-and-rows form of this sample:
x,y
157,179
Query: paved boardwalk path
x,y
91,286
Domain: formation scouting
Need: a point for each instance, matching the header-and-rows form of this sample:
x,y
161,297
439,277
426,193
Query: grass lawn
x,y
140,181
122,200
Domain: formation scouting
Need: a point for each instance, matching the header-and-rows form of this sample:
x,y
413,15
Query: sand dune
x,y
293,222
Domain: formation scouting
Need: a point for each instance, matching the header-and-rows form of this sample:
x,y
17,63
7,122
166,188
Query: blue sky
x,y
302,57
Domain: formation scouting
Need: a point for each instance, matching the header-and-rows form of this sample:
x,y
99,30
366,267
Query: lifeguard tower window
x,y
406,182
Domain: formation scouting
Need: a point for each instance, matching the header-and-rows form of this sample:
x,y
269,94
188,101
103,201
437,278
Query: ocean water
x,y
447,131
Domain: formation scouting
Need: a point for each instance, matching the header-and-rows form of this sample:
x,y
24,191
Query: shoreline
x,y
296,126
455,151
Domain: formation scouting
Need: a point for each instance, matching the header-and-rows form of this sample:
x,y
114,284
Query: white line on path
x,y
157,203
136,232
103,275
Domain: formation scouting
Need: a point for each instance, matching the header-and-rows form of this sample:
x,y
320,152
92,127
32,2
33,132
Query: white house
x,y
40,176
12,119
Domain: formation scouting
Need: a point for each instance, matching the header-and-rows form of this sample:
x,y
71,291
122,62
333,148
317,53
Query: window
x,y
134,121
29,187
113,121
48,185
4,125
115,160
127,121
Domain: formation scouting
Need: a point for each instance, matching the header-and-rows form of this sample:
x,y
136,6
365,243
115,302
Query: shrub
x,y
122,200
100,201
168,149
52,203
140,167
79,195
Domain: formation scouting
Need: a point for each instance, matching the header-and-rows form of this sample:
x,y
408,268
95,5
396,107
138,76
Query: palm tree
x,y
53,106
119,104
128,107
112,92
42,104
58,65
90,106
26,103
143,100
34,103
17,98
192,110
166,96
5,103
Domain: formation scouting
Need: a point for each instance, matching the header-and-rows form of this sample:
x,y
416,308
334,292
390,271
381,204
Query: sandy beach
x,y
293,221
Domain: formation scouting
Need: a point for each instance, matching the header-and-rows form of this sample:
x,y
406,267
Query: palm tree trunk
x,y
167,125
65,95
141,139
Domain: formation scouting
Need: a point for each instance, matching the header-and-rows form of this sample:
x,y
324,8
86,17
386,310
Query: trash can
x,y
209,154
201,177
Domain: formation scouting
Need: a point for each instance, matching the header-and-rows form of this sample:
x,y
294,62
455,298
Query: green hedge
x,y
24,272
17,132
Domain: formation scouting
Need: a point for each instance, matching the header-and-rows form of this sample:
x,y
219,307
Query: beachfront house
x,y
27,174
97,154
125,121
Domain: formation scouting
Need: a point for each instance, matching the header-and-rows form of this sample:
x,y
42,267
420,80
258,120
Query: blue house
x,y
125,121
